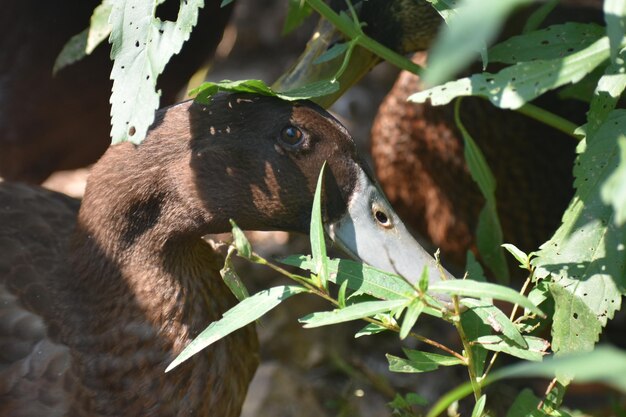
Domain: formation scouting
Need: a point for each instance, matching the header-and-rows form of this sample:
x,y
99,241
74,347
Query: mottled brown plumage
x,y
93,308
418,156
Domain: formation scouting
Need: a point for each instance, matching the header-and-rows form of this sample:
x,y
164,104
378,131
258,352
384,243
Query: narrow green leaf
x,y
474,270
423,281
399,402
605,365
479,407
351,312
297,12
332,53
496,319
232,279
488,232
518,254
483,289
341,295
474,25
318,244
315,89
410,318
537,347
474,327
513,86
585,259
615,18
554,42
237,317
539,15
244,249
370,329
73,51
417,361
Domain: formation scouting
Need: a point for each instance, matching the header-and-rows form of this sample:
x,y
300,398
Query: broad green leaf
x,y
513,86
518,254
525,405
418,361
232,279
237,317
370,329
606,365
585,259
483,289
538,294
614,188
537,347
474,270
296,13
83,43
141,46
318,244
606,95
241,241
349,313
414,310
496,319
488,232
554,42
615,18
332,53
475,24
479,407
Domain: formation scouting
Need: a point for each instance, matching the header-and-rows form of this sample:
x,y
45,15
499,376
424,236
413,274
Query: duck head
x,y
256,159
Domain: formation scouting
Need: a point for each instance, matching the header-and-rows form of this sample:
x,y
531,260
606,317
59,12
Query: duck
x,y
99,296
47,117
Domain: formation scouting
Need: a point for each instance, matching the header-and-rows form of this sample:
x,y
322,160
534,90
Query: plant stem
x,y
468,351
353,32
549,118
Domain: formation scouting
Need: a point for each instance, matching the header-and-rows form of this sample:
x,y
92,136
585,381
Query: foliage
x,y
581,270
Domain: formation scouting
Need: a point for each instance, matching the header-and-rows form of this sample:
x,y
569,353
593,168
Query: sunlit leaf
x,y
518,254
237,317
370,329
349,313
244,249
318,244
496,319
418,361
414,309
513,86
537,347
232,279
606,94
615,18
586,258
479,407
141,46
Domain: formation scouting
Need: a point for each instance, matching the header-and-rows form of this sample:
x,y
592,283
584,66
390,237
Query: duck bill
x,y
371,231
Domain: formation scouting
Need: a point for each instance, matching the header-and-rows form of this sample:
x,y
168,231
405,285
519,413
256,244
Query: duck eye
x,y
291,135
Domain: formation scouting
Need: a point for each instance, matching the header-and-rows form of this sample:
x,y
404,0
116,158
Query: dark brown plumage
x,y
94,306
51,123
418,157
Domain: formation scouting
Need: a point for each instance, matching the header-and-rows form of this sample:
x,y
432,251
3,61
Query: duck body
x,y
97,301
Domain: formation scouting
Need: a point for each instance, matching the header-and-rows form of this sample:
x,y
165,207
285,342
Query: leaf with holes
x,y
141,46
586,258
553,42
513,86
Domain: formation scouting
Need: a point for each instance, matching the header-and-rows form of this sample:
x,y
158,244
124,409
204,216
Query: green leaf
x,y
496,319
489,232
341,294
296,13
414,310
332,53
554,42
606,95
237,317
475,24
232,279
613,190
418,361
318,245
244,249
311,90
525,405
473,327
585,259
518,254
479,407
83,43
445,8
512,87
400,402
349,313
615,18
474,270
483,289
536,346
605,365
539,15
539,294
141,46
370,329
